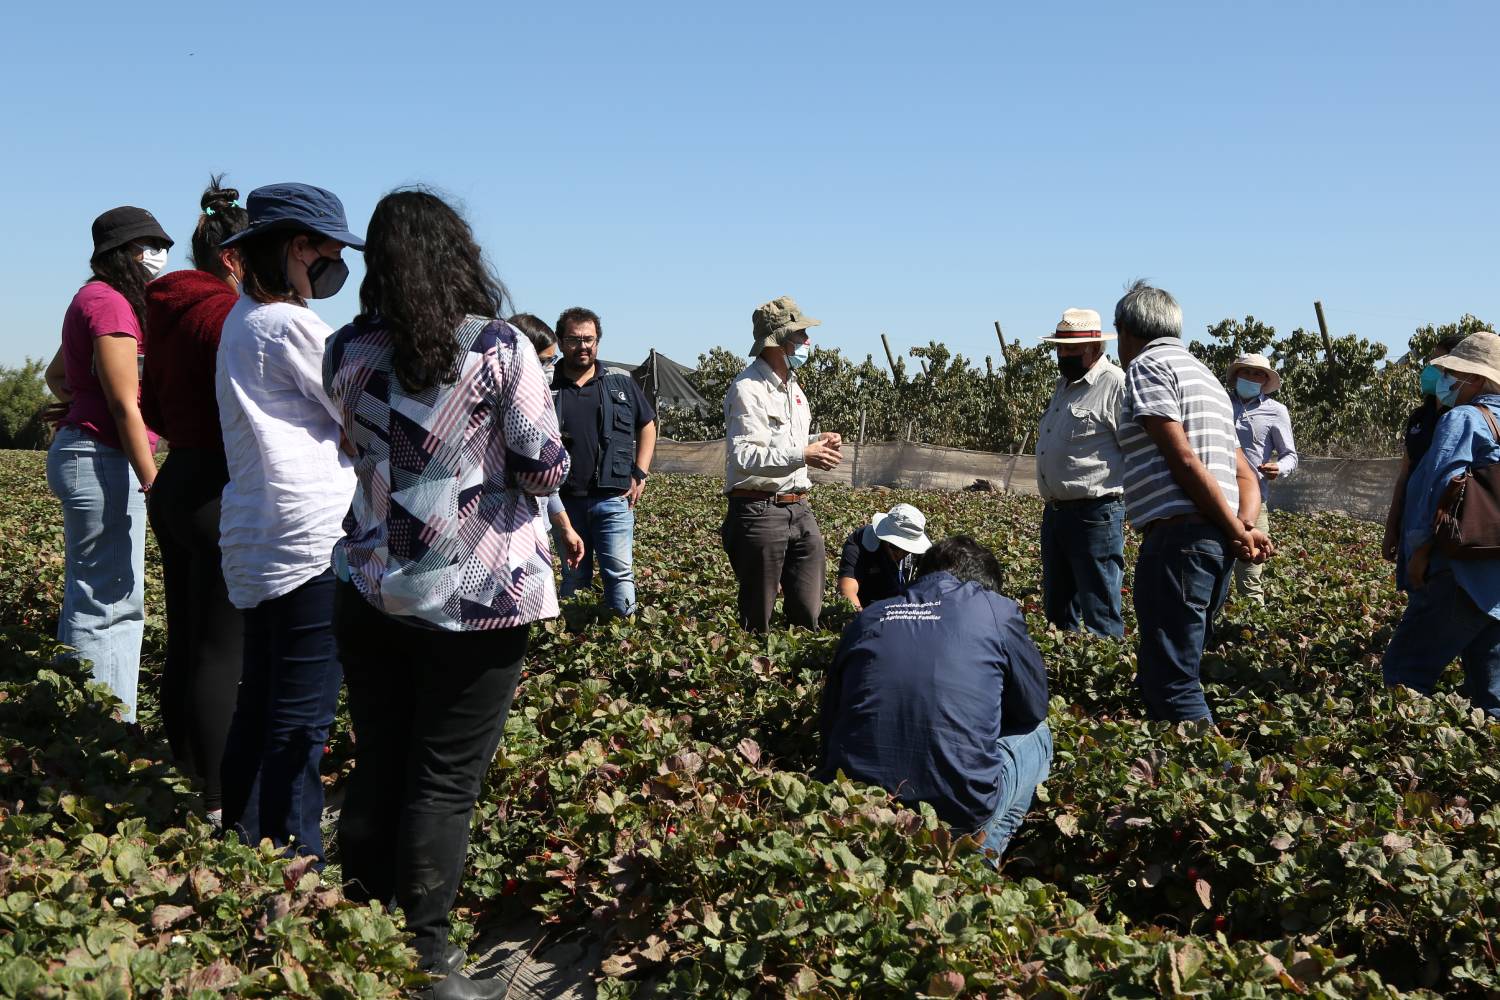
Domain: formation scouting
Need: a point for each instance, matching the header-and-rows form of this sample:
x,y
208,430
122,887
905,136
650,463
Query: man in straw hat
x,y
769,531
1453,607
878,559
1188,490
1080,474
1264,429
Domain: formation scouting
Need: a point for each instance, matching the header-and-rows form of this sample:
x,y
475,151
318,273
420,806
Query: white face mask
x,y
155,261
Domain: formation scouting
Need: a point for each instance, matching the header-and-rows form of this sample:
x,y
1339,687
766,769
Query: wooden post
x,y
858,445
908,431
923,363
1003,356
989,367
891,359
1323,328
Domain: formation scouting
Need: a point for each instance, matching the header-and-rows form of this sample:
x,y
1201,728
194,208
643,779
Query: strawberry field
x,y
1331,839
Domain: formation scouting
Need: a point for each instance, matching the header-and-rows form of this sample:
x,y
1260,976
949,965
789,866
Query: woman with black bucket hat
x,y
101,463
282,510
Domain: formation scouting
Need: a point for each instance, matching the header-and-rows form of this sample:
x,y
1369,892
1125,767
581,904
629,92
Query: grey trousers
x,y
775,546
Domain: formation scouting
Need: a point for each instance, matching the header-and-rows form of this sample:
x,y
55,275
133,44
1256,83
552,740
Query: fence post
x,y
858,444
1323,329
891,360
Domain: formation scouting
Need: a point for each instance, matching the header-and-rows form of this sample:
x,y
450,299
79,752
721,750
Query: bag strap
x,y
1489,418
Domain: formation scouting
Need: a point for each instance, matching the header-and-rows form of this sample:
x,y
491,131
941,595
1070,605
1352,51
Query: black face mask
x,y
1072,366
327,275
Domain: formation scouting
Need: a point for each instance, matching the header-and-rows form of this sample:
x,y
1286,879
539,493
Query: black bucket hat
x,y
126,224
297,206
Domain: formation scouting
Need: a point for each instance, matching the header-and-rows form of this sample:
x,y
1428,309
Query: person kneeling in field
x,y
940,696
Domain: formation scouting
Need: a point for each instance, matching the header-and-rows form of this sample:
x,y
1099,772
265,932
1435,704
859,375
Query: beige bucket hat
x,y
1079,326
1260,363
1476,354
775,319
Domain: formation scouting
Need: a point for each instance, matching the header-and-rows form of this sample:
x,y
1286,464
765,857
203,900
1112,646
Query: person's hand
x,y
1264,547
1390,545
821,455
1270,470
833,439
572,545
633,495
54,413
1416,570
1242,543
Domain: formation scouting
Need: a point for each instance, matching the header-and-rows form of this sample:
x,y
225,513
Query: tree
x,y
23,395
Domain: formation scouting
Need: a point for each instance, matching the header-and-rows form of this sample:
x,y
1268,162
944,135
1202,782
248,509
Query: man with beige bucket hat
x,y
769,532
1264,429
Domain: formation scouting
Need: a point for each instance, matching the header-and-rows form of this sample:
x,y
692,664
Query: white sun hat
x,y
903,526
1260,364
1079,326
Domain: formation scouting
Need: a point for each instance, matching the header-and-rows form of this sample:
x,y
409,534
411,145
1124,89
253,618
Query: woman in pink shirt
x,y
100,464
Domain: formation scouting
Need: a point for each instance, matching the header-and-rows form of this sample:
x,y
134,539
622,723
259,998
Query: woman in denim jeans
x,y
1454,605
101,462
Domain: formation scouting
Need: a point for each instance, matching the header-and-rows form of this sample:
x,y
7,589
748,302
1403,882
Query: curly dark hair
x,y
424,273
119,269
221,219
578,314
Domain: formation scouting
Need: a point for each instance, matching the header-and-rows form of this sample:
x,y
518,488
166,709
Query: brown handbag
x,y
1467,523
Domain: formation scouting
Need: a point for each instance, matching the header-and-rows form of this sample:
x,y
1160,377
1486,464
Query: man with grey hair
x,y
1188,490
769,532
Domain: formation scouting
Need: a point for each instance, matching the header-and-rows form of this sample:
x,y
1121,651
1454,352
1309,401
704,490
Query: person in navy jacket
x,y
939,696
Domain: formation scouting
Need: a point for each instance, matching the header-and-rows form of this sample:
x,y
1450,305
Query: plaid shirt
x,y
444,530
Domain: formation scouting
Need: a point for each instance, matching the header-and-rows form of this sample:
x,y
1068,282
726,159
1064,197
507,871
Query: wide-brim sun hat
x,y
126,224
1079,326
1260,363
772,321
903,526
1477,354
297,206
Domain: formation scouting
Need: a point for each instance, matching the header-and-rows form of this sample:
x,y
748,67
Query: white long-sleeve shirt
x,y
289,484
766,430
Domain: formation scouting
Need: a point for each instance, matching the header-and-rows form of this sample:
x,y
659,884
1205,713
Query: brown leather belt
x,y
780,499
1162,522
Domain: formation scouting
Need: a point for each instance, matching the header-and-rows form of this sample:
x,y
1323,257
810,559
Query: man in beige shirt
x,y
769,532
1080,475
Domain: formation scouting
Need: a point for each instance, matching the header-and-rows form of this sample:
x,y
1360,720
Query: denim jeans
x,y
1083,565
1441,622
428,709
607,526
1181,579
1028,761
104,537
289,689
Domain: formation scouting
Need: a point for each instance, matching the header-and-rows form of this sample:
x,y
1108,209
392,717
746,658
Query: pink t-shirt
x,y
96,311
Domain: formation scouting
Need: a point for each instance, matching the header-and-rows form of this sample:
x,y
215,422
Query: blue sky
x,y
921,172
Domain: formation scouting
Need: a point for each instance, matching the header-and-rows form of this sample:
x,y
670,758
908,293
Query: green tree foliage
x,y
23,394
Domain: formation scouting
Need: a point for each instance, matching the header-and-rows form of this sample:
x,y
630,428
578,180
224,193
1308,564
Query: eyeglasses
x,y
580,341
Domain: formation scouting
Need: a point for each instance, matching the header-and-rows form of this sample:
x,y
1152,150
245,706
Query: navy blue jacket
x,y
922,688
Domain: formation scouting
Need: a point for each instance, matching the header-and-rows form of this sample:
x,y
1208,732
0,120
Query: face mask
x,y
154,261
1072,367
799,357
1447,390
327,275
1246,389
1430,376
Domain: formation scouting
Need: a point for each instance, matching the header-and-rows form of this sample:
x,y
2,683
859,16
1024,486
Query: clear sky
x,y
917,169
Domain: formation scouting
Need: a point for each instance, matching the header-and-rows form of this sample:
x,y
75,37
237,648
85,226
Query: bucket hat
x,y
1260,363
1079,326
126,224
903,526
1477,354
773,320
297,206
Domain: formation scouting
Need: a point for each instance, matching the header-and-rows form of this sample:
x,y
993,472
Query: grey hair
x,y
1147,313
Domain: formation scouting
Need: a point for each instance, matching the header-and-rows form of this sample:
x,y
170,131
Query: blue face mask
x,y
1246,389
1447,390
801,356
1430,376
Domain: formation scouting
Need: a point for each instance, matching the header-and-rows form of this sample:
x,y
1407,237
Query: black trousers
x,y
205,633
428,708
775,546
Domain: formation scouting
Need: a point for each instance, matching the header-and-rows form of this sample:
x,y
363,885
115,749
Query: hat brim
x,y
916,546
1096,338
1463,366
341,235
134,233
1273,384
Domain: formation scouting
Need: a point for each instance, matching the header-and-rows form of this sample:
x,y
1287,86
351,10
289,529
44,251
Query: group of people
x,y
369,509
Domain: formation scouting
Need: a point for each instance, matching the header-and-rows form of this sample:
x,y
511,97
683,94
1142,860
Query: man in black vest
x,y
609,429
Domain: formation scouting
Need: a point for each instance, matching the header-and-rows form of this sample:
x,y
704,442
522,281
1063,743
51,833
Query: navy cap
x,y
297,206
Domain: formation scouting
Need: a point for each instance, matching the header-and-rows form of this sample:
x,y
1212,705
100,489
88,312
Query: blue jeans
x,y
289,689
1441,622
607,527
1083,565
104,531
1181,579
1028,762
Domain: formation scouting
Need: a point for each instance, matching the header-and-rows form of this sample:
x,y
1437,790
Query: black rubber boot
x,y
457,986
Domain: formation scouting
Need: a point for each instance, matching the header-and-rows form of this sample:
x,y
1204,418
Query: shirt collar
x,y
1092,375
768,373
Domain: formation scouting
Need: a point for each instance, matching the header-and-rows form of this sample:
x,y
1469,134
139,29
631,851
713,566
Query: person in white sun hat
x,y
879,558
1264,428
1080,471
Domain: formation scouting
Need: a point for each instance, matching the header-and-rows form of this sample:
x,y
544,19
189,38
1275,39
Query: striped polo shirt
x,y
1165,380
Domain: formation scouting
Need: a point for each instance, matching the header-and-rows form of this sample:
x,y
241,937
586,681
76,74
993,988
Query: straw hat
x,y
903,526
1079,326
1259,363
1478,354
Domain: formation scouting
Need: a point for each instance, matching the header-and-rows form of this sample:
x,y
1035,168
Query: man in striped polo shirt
x,y
1188,490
